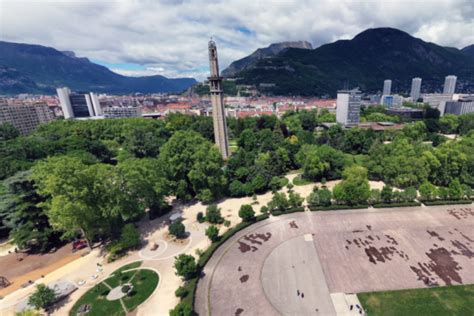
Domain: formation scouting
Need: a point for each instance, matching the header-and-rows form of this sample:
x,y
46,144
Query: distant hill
x,y
28,68
260,53
365,61
469,50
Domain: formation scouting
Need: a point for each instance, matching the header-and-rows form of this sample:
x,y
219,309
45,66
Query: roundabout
x,y
312,262
121,293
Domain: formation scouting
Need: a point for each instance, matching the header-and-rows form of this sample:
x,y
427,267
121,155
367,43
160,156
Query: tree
x,y
194,165
279,202
130,237
354,189
213,214
42,297
409,194
375,196
212,232
427,191
246,213
295,200
8,131
386,194
146,183
22,215
182,309
443,193
185,266
83,197
177,229
455,190
181,292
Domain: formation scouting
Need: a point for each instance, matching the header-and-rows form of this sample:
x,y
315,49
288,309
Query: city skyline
x,y
238,31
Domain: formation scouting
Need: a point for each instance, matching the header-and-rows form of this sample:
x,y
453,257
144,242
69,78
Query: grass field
x,y
300,181
451,300
144,283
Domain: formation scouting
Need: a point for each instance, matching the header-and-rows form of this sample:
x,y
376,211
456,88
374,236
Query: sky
x,y
169,37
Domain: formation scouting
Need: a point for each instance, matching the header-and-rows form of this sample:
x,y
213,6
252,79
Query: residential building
x,y
415,89
449,84
26,117
348,107
78,105
122,111
459,107
387,87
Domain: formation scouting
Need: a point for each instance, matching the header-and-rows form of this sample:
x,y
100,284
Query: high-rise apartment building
x,y
387,87
217,101
415,89
449,84
25,117
78,104
348,107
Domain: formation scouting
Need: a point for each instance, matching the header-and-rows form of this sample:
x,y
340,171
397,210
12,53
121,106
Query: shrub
x,y
227,223
246,213
264,210
130,237
182,309
177,229
181,292
185,266
213,214
200,217
212,232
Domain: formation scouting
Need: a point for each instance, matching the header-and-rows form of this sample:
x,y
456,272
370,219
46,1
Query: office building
x,y
25,117
217,101
348,107
387,87
391,100
122,111
449,84
459,107
437,101
78,105
415,89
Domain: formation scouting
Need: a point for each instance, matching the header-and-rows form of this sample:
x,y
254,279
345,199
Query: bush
x,y
177,229
185,266
200,217
399,204
227,223
446,202
181,292
337,207
42,297
298,180
246,213
264,210
212,232
182,309
213,214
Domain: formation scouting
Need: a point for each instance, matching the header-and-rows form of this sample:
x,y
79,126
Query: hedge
x,y
337,207
396,204
191,285
288,211
446,202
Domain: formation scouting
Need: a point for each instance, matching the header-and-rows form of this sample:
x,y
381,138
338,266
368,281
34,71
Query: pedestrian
x,y
297,292
302,295
352,307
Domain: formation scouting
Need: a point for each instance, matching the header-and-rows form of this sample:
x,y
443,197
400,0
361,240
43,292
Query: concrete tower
x,y
415,89
449,84
217,100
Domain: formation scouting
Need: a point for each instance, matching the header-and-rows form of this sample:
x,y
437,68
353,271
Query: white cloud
x,y
169,37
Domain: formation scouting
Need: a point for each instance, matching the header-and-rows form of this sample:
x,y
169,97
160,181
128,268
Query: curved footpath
x,y
264,269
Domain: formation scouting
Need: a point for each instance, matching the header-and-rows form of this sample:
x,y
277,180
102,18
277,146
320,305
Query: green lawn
x,y
451,300
144,283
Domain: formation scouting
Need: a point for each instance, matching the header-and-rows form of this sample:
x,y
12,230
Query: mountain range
x,y
261,53
28,68
364,61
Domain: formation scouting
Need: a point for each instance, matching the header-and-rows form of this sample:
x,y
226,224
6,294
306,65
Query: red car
x,y
78,245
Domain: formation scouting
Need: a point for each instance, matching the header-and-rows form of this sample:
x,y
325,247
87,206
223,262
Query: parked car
x,y
78,245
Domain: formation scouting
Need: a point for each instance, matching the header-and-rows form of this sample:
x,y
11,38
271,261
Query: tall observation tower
x,y
217,100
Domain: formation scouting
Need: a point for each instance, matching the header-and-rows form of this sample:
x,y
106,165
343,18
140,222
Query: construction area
x,y
314,262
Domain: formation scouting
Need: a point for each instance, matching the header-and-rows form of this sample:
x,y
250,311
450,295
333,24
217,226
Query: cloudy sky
x,y
169,37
